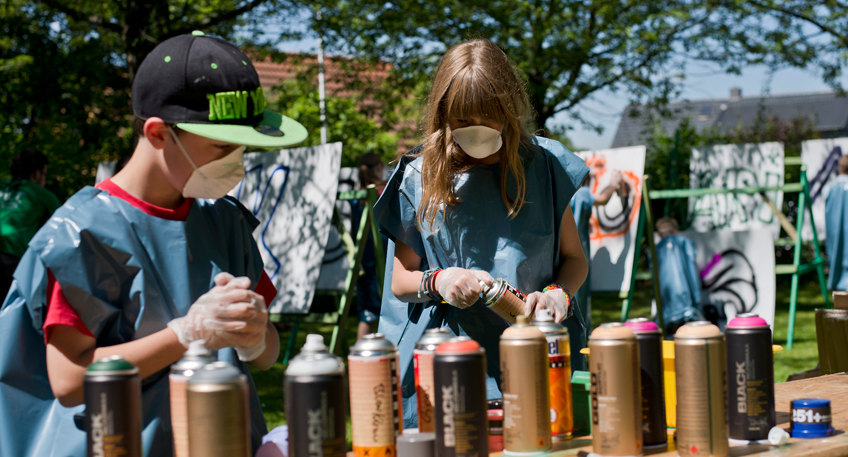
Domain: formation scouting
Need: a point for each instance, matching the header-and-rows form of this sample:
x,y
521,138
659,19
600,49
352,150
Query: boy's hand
x,y
230,314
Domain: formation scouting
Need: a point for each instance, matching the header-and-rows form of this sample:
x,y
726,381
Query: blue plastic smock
x,y
581,205
680,285
477,234
126,274
835,209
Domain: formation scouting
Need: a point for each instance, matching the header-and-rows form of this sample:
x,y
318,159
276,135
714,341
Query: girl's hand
x,y
461,287
553,300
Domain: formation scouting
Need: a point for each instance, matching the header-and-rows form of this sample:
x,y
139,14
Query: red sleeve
x,y
60,312
266,288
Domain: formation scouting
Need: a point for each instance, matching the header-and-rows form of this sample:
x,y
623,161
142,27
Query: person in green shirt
x,y
25,205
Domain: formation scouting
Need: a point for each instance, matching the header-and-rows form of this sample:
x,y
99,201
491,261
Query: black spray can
x,y
112,392
750,373
650,339
462,421
315,401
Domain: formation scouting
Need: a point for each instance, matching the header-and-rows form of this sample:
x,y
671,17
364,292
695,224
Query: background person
x,y
371,172
148,261
25,205
680,285
480,199
836,226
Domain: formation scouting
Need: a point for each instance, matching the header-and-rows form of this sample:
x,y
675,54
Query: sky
x,y
702,82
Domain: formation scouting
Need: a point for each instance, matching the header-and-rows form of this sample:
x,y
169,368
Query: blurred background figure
x,y
581,205
371,171
835,209
680,286
25,205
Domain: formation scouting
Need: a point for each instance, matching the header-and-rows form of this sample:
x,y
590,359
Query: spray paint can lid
x,y
111,365
372,344
315,359
612,331
218,373
642,325
195,358
778,436
459,345
433,337
747,320
416,444
697,329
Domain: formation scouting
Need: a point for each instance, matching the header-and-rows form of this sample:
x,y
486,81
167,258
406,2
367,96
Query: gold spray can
x,y
701,375
616,391
375,397
194,359
218,416
526,389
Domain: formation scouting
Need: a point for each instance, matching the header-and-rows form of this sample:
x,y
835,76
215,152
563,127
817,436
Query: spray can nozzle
x,y
314,343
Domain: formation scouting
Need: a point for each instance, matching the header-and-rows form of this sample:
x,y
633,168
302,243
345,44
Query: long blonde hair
x,y
474,80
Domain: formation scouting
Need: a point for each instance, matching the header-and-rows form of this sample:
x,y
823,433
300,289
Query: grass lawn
x,y
803,355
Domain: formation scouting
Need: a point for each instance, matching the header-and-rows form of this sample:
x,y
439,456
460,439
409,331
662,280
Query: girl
x,y
480,199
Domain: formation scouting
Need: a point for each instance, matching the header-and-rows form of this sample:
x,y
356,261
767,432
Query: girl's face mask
x,y
214,179
478,141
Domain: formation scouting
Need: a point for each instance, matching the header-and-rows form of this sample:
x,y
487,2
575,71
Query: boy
x,y
148,261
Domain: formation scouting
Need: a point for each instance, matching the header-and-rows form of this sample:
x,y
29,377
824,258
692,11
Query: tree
x,y
66,69
568,51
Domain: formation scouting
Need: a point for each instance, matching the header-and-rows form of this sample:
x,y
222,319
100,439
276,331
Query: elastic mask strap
x,y
180,145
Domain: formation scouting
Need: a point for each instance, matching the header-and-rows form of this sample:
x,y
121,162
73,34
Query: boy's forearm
x,y
69,353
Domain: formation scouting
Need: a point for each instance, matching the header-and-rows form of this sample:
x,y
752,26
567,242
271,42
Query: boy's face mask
x,y
478,141
214,179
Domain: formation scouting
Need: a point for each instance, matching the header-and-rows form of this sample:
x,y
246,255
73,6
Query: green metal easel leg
x,y
625,305
796,262
290,345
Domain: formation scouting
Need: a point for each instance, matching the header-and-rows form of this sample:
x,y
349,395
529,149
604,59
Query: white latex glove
x,y
553,300
248,342
460,287
227,315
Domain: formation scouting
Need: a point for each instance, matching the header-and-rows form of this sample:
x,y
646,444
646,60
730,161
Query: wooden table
x,y
833,387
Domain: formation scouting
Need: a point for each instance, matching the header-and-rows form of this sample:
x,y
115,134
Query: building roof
x,y
827,110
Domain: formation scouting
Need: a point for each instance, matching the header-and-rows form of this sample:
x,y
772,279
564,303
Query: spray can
x,y
422,358
615,391
650,339
700,365
459,369
218,424
112,391
525,385
750,371
505,300
194,359
315,401
559,374
375,396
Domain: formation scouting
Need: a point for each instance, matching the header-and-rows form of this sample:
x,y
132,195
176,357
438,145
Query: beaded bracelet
x,y
568,297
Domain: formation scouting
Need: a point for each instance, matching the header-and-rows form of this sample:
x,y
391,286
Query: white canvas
x,y
730,166
737,270
820,157
612,228
288,191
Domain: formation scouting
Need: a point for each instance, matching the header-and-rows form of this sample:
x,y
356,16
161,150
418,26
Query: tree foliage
x,y
66,69
568,51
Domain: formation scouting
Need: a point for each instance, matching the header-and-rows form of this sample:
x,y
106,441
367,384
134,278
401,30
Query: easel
x,y
342,299
796,269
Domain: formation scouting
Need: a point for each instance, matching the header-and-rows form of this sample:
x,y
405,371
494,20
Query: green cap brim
x,y
274,131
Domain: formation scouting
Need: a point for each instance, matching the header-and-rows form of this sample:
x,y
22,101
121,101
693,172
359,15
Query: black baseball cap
x,y
207,86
